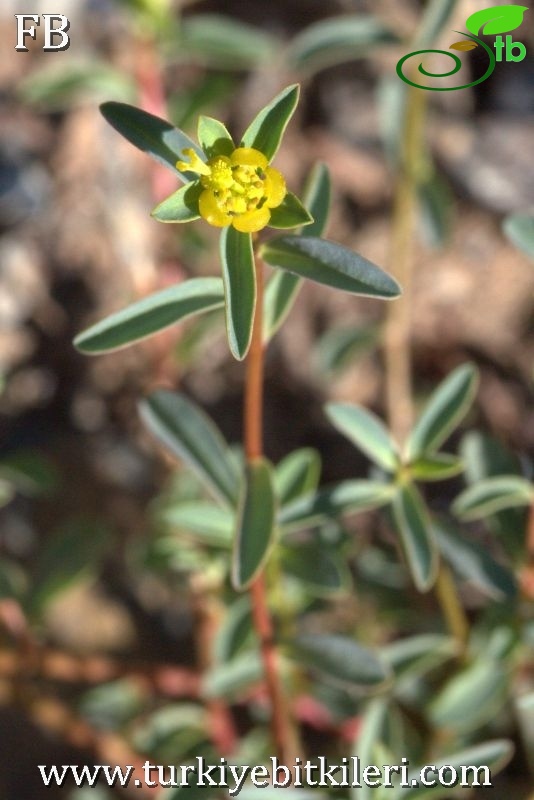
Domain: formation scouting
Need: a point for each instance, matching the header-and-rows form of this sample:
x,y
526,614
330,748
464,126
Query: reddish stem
x,y
281,726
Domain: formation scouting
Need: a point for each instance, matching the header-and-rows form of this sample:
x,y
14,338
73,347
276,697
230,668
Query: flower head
x,y
239,189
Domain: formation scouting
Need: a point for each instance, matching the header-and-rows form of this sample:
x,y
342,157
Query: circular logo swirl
x,y
457,67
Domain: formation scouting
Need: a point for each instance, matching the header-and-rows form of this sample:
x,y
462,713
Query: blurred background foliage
x,y
119,636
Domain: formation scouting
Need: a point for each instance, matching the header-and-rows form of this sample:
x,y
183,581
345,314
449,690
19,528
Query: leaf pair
x,y
419,461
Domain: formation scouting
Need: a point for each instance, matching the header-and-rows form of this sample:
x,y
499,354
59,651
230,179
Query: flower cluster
x,y
238,190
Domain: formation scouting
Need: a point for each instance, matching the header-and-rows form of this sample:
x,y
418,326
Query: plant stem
x,y
397,355
281,723
413,165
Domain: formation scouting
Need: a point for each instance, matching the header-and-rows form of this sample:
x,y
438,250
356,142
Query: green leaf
x,y
239,277
111,705
520,230
72,553
151,315
266,130
58,88
436,203
492,495
191,436
282,289
31,474
320,567
414,656
436,15
494,20
370,732
220,41
447,406
418,541
339,346
329,264
342,498
181,206
486,457
255,524
7,492
214,138
209,523
290,213
436,467
472,562
472,697
234,632
152,135
340,660
297,474
335,41
492,755
366,431
231,678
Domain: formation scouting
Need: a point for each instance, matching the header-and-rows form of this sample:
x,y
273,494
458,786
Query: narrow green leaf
x,y
414,656
31,473
152,135
418,541
319,567
221,41
230,679
486,457
329,264
7,492
191,436
214,138
436,203
490,757
366,431
342,498
297,474
266,130
290,213
436,15
335,41
520,230
239,276
472,697
497,19
446,407
338,347
74,551
210,524
492,495
58,88
152,314
234,632
370,733
340,660
255,524
182,206
283,288
436,467
472,562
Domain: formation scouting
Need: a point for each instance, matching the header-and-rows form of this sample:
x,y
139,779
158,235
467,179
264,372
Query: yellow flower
x,y
239,189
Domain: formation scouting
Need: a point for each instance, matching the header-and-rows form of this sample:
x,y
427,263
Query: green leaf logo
x,y
497,19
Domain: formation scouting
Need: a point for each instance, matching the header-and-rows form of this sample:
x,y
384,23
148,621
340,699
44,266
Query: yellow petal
x,y
248,156
275,187
195,164
209,209
252,221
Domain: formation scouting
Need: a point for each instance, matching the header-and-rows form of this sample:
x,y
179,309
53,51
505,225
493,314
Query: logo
x,y
492,21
